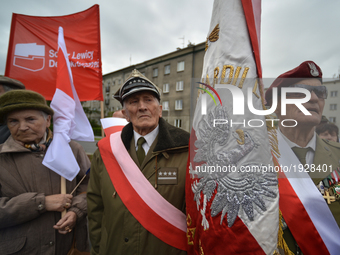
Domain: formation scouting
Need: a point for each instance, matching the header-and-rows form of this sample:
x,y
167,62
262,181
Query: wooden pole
x,y
102,114
63,191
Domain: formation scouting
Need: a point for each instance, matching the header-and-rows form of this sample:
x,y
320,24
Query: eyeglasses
x,y
320,91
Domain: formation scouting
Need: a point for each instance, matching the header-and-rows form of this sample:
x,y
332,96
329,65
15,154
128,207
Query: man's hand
x,y
66,223
58,202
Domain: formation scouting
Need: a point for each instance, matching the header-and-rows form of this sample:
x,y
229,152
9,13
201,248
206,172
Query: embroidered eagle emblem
x,y
228,193
213,37
313,70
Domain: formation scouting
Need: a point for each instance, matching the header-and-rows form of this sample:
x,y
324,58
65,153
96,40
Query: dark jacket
x,y
25,225
4,133
113,229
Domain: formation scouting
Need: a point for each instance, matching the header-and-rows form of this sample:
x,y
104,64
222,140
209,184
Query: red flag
x,y
32,52
69,120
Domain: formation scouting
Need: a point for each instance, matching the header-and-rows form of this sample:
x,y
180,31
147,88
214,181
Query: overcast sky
x,y
292,30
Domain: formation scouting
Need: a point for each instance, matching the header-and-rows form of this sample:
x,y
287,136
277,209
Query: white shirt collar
x,y
311,143
149,138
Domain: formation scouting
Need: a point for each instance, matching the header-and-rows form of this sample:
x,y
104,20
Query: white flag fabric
x,y
232,198
69,120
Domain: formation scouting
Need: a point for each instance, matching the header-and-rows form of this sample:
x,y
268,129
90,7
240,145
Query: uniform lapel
x,y
323,155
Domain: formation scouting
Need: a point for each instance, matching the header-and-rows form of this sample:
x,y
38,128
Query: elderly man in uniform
x,y
7,84
136,192
297,131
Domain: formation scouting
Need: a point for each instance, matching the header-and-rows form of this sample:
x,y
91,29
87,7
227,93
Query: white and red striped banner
x,y
226,214
304,209
69,120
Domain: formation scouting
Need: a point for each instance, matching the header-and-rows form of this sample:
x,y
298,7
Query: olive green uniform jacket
x,y
328,153
113,229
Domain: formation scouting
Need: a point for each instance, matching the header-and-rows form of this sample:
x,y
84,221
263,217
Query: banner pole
x,y
102,114
63,191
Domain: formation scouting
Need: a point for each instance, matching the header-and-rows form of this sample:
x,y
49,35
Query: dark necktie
x,y
140,150
301,153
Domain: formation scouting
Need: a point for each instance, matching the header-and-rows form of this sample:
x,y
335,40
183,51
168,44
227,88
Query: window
x,y
178,123
166,88
179,85
178,104
180,66
334,93
167,69
155,72
165,105
119,81
332,119
332,107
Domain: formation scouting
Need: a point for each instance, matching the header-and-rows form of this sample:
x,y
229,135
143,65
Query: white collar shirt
x,y
149,138
311,144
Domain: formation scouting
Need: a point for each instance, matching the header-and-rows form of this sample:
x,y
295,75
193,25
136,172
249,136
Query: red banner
x,y
33,47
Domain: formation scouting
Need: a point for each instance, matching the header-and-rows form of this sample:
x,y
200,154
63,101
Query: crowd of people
x,y
103,215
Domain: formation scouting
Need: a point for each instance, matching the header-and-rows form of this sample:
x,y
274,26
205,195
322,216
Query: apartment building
x,y
174,73
332,103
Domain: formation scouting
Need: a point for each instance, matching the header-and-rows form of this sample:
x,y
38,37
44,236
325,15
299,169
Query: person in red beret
x,y
296,133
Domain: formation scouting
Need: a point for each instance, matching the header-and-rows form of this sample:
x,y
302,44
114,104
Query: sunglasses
x,y
320,91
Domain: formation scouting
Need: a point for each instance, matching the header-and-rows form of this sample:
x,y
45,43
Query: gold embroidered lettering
x,y
244,75
255,88
237,73
216,72
231,72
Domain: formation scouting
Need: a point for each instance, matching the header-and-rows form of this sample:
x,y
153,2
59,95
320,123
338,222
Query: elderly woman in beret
x,y
30,199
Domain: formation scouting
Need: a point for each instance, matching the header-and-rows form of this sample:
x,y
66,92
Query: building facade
x,y
174,73
332,103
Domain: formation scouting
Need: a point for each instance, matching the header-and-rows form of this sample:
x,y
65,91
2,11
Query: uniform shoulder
x,y
332,144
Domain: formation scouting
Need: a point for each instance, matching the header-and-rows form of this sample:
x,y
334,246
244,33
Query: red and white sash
x,y
154,212
304,209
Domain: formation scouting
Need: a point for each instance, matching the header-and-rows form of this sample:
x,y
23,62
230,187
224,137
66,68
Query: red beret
x,y
305,70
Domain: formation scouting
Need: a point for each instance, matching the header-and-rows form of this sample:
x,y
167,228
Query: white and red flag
x,y
231,189
69,120
112,125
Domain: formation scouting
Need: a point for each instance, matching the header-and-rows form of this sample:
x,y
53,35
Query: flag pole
x,y
63,191
102,114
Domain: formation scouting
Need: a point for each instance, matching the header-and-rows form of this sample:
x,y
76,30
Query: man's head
x,y
328,131
134,83
307,76
141,103
7,84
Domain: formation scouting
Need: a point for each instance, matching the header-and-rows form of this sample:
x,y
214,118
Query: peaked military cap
x,y
136,82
